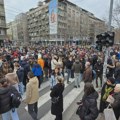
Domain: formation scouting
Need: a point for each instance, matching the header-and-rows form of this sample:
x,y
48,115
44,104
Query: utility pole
x,y
110,15
107,49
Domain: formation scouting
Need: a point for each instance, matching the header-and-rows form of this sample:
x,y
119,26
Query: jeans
x,y
77,79
21,88
81,76
33,110
52,81
14,115
69,74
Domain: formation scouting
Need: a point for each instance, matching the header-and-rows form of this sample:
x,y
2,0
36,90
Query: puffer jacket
x,y
89,110
5,98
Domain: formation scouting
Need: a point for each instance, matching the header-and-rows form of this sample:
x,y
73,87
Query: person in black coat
x,y
57,92
5,100
99,72
89,110
107,89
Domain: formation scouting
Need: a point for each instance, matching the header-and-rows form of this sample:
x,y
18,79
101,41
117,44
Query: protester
x,y
87,75
107,89
37,71
88,104
99,72
32,95
69,64
5,101
77,68
57,99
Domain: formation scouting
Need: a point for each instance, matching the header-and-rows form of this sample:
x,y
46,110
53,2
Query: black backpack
x,y
15,98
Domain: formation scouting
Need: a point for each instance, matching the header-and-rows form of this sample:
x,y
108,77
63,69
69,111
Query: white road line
x,y
44,98
68,99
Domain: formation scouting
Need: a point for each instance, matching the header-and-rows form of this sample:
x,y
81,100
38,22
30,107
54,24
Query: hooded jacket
x,y
89,110
32,93
76,66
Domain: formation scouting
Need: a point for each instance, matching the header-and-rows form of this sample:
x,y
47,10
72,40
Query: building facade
x,y
2,21
73,23
17,29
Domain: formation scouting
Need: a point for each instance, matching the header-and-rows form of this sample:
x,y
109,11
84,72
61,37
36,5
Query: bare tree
x,y
116,14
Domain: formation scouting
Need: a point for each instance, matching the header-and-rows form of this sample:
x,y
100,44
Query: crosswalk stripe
x,y
46,97
68,99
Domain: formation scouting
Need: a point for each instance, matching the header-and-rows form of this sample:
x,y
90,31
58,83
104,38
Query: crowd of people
x,y
23,69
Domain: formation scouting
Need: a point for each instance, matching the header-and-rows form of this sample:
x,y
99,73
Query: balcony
x,y
2,25
2,13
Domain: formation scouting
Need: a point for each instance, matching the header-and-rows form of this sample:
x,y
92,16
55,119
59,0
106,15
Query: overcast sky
x,y
99,8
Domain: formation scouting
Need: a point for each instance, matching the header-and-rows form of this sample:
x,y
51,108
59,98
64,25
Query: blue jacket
x,y
37,70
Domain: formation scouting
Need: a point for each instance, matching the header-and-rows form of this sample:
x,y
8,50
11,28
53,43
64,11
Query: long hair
x,y
88,89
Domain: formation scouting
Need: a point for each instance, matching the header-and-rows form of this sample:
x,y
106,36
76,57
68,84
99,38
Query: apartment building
x,y
17,29
38,23
72,23
2,21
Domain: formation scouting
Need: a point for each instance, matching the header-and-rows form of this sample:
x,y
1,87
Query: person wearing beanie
x,y
107,89
116,104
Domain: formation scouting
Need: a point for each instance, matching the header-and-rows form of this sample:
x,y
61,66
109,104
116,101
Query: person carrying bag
x,y
109,113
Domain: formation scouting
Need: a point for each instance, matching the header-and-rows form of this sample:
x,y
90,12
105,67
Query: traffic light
x,y
105,39
110,38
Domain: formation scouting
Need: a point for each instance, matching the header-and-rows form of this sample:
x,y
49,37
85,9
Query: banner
x,y
53,10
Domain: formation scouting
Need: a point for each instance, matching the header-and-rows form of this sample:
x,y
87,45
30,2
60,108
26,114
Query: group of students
x,y
28,68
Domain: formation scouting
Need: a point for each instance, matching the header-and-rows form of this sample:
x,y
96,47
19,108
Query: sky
x,y
100,8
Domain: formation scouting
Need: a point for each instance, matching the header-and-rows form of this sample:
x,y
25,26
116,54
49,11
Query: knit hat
x,y
112,80
117,88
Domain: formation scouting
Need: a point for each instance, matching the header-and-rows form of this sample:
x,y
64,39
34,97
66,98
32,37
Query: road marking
x,y
46,97
68,99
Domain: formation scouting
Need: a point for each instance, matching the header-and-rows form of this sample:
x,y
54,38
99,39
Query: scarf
x,y
107,92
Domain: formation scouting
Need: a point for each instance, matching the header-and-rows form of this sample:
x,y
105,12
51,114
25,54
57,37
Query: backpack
x,y
15,98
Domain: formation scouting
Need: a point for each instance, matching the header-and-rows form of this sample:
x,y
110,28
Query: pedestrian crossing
x,y
68,99
44,102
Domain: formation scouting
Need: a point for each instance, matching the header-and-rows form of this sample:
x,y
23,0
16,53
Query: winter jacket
x,y
69,64
87,75
116,105
89,110
5,98
54,63
32,92
98,68
76,67
41,62
26,67
57,90
37,70
20,74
